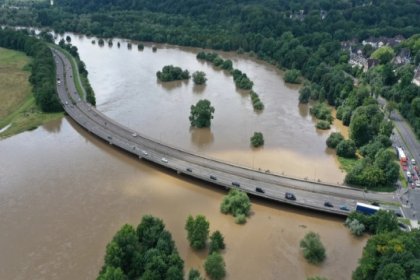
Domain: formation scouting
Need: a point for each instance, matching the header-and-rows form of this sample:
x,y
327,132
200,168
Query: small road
x,y
404,137
309,194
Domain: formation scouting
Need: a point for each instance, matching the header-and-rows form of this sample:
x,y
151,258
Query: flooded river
x,y
64,193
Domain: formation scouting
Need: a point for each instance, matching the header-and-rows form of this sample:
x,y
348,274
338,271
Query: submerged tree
x,y
201,114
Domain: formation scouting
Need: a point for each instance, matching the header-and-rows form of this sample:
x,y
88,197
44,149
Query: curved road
x,y
308,194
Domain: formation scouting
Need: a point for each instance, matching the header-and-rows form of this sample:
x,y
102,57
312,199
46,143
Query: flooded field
x,y
64,193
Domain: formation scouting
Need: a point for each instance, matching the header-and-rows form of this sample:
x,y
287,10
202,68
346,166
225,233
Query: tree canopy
x,y
201,114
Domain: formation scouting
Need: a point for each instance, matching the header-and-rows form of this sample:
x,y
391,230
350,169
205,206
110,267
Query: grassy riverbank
x,y
17,104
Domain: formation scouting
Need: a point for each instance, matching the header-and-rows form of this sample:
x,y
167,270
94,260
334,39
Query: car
x,y
328,204
260,190
418,183
290,196
189,169
375,203
213,177
134,134
398,214
408,174
404,167
413,161
67,103
144,153
164,160
236,184
344,208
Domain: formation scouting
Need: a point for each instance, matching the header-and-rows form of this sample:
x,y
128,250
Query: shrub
x,y
313,250
356,227
199,77
172,73
201,114
198,231
215,266
346,148
322,112
334,139
240,219
323,125
292,76
257,139
217,242
237,203
256,102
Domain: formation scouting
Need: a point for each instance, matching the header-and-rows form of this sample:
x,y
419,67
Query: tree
x,y
359,129
194,274
217,242
201,114
237,203
172,73
199,77
149,230
383,54
257,139
313,250
356,227
304,94
215,266
112,273
334,139
198,231
346,148
292,76
391,271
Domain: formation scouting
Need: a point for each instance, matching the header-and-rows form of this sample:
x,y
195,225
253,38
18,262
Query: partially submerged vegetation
x,y
22,105
172,73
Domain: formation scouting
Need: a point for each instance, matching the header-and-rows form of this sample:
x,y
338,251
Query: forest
x,y
303,36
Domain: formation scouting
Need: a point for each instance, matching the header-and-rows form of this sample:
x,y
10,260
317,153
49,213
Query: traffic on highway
x,y
337,199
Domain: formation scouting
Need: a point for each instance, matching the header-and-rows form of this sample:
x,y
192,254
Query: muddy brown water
x,y
64,193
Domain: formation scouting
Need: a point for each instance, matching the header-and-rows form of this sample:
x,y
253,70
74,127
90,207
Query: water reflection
x,y
303,110
201,137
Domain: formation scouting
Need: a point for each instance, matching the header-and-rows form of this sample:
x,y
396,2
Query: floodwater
x,y
64,193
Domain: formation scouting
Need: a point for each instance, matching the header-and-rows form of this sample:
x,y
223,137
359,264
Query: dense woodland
x,y
42,67
301,35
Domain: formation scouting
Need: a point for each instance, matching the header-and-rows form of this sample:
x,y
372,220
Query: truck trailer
x,y
366,208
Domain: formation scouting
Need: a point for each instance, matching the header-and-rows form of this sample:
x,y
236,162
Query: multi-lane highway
x,y
309,194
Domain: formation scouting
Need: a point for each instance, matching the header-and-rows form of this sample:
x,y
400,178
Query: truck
x,y
402,156
366,208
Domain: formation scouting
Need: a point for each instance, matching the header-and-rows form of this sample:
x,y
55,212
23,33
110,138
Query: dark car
x,y
189,169
375,203
344,208
236,184
328,204
398,214
260,190
290,196
213,177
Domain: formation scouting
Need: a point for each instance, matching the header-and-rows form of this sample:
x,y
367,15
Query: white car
x,y
164,160
134,134
413,161
144,152
418,183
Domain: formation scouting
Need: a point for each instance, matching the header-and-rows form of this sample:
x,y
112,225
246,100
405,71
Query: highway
x,y
309,194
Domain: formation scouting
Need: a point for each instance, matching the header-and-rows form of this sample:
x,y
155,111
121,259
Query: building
x,y
416,79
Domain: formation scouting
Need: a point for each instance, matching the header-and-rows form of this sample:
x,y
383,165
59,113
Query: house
x,y
383,41
357,60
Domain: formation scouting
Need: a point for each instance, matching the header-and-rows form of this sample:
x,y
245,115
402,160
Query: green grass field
x,y
17,104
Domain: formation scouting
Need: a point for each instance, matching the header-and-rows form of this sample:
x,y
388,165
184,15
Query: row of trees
x,y
90,94
42,67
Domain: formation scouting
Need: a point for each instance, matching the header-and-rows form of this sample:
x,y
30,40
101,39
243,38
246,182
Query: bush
x,y
256,102
334,139
356,227
292,76
322,112
304,94
194,274
199,77
236,203
217,242
172,73
198,231
215,266
257,139
346,149
313,250
323,125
